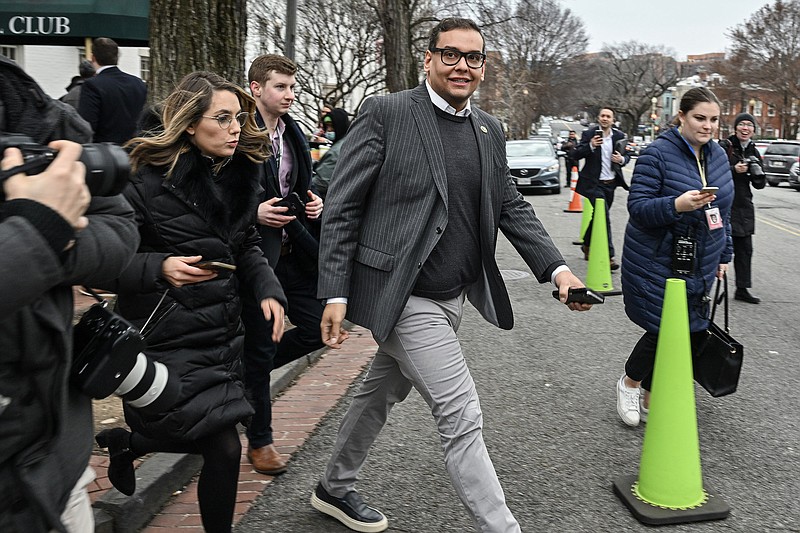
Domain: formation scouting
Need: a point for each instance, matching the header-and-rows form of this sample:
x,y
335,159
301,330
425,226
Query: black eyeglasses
x,y
225,119
451,57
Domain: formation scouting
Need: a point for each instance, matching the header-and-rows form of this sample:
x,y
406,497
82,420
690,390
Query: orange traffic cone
x,y
575,203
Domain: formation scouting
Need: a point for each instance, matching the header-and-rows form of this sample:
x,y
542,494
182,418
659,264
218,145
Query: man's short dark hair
x,y
105,51
453,23
264,65
613,112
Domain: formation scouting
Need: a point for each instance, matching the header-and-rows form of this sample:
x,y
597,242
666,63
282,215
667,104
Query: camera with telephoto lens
x,y
107,165
753,166
108,359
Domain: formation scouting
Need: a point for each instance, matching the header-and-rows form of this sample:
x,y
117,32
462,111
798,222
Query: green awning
x,y
70,22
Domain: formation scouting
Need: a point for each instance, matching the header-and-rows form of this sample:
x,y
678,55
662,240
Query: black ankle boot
x,y
744,295
120,471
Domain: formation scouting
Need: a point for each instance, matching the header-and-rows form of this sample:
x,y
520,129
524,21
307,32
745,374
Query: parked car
x,y
794,176
778,159
762,146
534,165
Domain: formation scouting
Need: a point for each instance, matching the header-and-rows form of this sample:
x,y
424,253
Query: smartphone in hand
x,y
216,266
582,295
294,203
712,190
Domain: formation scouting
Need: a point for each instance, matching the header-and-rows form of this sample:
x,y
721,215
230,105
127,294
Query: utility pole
x,y
291,26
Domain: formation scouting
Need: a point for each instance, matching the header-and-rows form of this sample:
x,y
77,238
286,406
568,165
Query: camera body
x,y
108,359
107,165
753,166
105,350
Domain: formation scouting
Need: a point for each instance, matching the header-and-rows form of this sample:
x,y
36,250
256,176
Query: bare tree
x,y
536,37
766,47
189,35
404,24
626,77
338,52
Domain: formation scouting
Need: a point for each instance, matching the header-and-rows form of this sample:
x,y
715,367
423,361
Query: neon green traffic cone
x,y
669,471
598,275
669,488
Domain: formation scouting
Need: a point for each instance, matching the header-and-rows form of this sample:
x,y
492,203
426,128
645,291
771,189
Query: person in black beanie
x,y
742,153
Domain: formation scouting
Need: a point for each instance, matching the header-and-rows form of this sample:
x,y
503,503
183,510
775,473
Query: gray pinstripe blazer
x,y
387,208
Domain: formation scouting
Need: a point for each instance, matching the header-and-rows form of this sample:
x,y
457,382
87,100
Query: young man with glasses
x,y
410,232
741,151
289,242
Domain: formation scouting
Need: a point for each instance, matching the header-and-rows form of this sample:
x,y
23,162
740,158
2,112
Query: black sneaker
x,y
350,510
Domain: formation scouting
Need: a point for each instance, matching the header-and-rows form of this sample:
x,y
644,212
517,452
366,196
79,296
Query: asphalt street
x,y
550,422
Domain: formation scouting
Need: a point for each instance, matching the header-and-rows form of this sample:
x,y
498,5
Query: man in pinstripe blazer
x,y
410,231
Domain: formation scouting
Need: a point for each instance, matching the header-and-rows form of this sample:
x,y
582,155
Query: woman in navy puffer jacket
x,y
665,203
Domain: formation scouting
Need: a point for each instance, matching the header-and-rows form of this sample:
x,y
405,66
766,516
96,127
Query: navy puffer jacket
x,y
665,170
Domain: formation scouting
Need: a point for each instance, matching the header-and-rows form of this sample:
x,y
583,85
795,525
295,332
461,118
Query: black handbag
x,y
718,362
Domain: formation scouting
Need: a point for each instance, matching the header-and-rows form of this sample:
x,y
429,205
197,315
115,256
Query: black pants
x,y
261,355
569,163
219,477
605,192
742,261
640,363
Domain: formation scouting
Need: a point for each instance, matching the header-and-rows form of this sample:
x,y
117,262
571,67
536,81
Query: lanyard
x,y
701,166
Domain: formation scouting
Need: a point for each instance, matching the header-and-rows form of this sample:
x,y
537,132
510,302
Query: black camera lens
x,y
107,168
107,165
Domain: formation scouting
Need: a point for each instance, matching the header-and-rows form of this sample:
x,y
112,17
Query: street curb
x,y
161,474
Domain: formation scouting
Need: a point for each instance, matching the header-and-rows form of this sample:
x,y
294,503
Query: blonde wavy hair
x,y
184,107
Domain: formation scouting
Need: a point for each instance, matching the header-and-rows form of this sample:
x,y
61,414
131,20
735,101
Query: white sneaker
x,y
627,403
643,411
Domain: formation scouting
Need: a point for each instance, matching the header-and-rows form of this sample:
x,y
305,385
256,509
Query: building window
x,y
769,132
758,109
9,52
144,68
726,107
771,110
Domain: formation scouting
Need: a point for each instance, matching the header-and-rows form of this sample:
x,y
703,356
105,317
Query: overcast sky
x,y
686,26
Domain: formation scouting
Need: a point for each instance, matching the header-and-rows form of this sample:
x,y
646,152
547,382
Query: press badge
x,y
713,218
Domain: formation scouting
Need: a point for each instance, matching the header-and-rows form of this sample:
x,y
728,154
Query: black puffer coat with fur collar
x,y
200,339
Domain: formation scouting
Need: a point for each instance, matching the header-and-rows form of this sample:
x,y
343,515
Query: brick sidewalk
x,y
295,414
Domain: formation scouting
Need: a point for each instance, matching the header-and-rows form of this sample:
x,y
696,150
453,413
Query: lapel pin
x,y
484,130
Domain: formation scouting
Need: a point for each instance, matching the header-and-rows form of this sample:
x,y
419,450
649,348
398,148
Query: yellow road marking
x,y
779,226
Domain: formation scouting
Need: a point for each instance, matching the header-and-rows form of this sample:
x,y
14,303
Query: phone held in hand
x,y
582,295
712,190
293,202
216,266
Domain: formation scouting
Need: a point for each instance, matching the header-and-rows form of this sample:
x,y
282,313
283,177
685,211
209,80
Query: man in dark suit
x,y
601,147
112,100
410,232
289,242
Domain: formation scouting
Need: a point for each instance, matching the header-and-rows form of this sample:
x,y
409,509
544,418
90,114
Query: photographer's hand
x,y
741,167
61,187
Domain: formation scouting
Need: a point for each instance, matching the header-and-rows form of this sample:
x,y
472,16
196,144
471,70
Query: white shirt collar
x,y
101,69
440,102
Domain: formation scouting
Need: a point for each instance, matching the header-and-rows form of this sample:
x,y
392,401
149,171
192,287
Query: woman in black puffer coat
x,y
195,191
